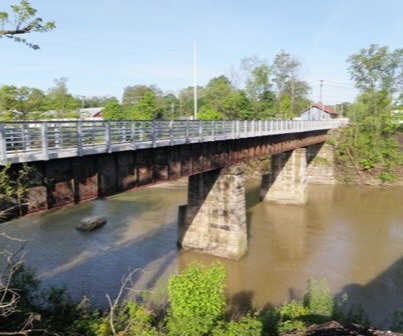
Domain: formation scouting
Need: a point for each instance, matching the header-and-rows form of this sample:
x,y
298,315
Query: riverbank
x,y
380,167
336,328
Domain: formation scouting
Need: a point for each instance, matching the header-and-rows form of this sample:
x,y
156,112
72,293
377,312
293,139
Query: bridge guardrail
x,y
35,141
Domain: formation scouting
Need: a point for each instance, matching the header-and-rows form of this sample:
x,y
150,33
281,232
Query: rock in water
x,y
91,223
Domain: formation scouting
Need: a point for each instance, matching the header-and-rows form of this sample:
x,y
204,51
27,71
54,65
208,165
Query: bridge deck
x,y
38,141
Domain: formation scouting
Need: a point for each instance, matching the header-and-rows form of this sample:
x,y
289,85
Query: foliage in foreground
x,y
14,186
197,307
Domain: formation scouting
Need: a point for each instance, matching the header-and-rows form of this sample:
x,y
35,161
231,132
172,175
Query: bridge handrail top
x,y
161,120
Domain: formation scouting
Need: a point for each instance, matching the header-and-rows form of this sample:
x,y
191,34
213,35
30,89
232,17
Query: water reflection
x,y
352,236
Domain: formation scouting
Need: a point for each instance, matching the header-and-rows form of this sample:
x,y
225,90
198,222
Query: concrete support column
x,y
321,168
287,182
214,220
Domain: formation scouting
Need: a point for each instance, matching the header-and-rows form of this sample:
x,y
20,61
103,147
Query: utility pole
x,y
194,82
321,89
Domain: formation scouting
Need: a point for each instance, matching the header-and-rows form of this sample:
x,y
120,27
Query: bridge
x,y
84,160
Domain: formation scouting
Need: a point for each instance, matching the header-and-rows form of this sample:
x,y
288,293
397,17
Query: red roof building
x,y
319,111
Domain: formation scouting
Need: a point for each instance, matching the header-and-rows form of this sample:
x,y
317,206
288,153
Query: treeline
x,y
27,103
195,305
257,90
369,146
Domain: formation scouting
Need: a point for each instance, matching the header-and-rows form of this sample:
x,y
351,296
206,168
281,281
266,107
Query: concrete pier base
x,y
321,167
214,220
287,182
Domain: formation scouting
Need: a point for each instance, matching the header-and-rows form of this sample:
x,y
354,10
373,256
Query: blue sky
x,y
103,46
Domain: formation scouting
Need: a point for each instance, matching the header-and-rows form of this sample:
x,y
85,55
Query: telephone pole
x,y
321,91
194,82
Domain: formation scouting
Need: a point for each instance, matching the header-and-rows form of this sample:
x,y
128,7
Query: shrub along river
x,y
352,236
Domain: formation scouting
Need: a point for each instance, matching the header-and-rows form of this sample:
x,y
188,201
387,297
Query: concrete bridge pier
x,y
321,166
287,183
214,220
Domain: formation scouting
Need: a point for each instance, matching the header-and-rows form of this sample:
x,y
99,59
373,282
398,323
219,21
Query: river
x,y
351,236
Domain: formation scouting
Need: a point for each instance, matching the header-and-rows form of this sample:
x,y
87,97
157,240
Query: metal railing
x,y
35,141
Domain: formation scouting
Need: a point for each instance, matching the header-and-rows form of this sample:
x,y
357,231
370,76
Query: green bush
x,y
292,316
36,308
270,319
370,143
246,326
397,322
197,300
129,319
319,301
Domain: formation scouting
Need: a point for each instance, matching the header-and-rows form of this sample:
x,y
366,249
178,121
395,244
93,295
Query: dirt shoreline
x,y
336,328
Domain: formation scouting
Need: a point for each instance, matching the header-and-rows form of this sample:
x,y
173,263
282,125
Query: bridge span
x,y
47,140
83,160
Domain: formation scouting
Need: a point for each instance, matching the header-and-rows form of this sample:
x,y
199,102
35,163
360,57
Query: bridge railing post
x,y
187,131
26,137
44,140
79,138
153,134
108,139
201,131
3,145
133,133
171,133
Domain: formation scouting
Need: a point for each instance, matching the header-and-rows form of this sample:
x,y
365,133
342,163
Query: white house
x,y
318,111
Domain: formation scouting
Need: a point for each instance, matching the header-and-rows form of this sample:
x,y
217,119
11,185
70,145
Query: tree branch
x,y
25,30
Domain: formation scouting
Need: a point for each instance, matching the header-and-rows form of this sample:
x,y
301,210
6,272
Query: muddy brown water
x,y
352,236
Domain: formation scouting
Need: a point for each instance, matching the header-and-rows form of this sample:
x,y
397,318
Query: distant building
x,y
318,111
91,113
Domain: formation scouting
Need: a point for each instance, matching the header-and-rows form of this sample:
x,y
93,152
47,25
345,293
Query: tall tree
x,y
258,86
291,89
95,101
61,101
369,141
143,102
186,100
377,73
223,98
146,108
257,77
170,106
113,110
21,20
133,94
21,103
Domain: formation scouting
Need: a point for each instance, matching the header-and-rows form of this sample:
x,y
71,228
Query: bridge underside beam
x,y
80,179
214,220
